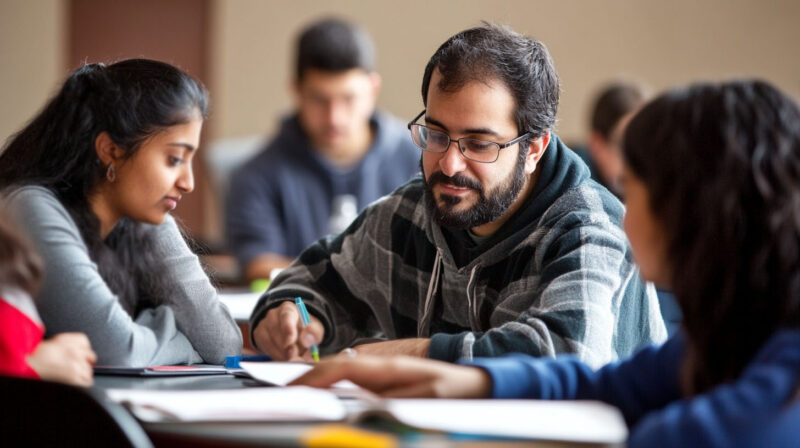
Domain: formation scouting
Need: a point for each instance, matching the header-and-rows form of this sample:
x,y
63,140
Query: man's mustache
x,y
459,180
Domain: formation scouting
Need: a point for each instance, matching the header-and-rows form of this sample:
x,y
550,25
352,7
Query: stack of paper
x,y
251,404
574,421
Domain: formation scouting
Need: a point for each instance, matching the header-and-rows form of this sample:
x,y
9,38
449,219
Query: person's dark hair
x,y
20,265
131,100
721,165
491,52
334,45
613,102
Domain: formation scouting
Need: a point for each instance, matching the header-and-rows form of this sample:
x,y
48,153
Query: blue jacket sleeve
x,y
646,381
645,389
735,413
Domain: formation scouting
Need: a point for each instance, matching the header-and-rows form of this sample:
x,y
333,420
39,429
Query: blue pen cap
x,y
303,311
232,362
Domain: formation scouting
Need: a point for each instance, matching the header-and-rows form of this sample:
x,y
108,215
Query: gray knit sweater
x,y
559,277
190,326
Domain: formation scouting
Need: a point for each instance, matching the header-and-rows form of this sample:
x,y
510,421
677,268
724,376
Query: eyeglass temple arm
x,y
416,118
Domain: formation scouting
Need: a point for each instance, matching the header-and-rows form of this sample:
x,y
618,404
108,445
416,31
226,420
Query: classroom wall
x,y
249,46
32,55
662,43
174,31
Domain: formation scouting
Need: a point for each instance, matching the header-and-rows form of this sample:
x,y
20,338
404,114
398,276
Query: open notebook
x,y
572,421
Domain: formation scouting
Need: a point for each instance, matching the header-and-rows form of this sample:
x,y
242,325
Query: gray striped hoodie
x,y
557,278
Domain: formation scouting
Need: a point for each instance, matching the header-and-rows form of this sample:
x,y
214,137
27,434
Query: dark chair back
x,y
44,413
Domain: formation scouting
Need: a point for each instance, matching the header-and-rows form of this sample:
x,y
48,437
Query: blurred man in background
x,y
331,158
613,103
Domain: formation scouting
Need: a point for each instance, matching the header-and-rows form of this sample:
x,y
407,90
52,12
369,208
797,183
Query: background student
x,y
712,187
92,178
66,357
614,102
331,158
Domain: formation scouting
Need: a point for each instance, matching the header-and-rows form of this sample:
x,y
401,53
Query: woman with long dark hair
x,y
93,178
712,189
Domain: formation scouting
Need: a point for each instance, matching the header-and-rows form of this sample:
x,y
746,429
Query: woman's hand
x,y
66,357
401,377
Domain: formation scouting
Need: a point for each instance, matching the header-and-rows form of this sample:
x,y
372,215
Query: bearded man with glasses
x,y
503,244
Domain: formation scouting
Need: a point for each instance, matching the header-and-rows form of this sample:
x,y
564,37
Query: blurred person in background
x,y
334,155
612,106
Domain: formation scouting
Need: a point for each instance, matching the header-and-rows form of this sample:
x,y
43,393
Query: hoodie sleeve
x,y
338,279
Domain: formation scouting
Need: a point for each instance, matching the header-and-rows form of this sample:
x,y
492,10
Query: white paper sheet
x,y
282,373
250,404
240,304
576,421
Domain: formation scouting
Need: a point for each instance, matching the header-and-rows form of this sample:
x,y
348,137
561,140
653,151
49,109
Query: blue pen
x,y
306,320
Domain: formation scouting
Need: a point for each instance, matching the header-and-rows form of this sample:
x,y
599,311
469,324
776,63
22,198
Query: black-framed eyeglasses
x,y
435,141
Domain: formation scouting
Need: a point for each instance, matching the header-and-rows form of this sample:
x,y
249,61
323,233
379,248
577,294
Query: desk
x,y
242,434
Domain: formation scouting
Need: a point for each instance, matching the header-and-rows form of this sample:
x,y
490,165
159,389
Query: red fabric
x,y
19,336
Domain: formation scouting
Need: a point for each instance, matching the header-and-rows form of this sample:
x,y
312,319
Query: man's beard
x,y
485,210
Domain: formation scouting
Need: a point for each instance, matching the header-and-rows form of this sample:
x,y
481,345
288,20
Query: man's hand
x,y
401,377
410,347
66,357
281,335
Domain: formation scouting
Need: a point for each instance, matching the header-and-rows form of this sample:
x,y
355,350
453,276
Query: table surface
x,y
240,434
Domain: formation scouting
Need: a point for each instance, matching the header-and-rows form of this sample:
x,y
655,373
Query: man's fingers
x,y
289,320
263,338
311,334
91,356
292,352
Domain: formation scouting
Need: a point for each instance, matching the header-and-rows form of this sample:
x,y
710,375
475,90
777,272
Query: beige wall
x,y
31,58
662,43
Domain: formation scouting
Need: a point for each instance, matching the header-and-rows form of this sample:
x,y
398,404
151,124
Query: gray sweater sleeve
x,y
191,327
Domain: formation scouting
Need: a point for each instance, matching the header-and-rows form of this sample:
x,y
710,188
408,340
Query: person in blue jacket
x,y
712,188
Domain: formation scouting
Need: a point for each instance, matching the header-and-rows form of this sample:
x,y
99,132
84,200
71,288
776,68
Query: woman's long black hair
x,y
131,100
721,164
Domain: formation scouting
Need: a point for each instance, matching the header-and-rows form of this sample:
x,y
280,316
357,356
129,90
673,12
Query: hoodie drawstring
x,y
472,300
423,326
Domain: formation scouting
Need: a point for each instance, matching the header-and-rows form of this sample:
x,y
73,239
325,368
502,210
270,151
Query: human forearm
x,y
417,347
198,312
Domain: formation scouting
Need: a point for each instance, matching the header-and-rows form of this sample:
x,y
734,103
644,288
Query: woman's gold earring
x,y
111,175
